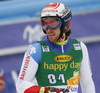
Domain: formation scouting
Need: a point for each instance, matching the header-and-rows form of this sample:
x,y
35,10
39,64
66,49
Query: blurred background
x,y
20,26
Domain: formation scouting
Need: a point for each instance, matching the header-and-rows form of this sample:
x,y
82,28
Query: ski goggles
x,y
51,22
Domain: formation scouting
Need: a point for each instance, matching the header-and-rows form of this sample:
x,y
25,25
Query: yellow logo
x,y
63,58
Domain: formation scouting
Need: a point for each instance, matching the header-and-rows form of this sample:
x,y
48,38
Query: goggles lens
x,y
51,22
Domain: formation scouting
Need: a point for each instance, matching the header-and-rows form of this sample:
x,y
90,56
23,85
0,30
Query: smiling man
x,y
58,62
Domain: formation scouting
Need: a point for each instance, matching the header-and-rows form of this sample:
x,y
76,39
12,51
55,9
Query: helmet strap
x,y
60,37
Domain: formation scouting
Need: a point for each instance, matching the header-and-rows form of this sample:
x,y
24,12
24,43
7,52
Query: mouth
x,y
50,35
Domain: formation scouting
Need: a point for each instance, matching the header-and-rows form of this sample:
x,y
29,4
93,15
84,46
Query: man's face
x,y
53,35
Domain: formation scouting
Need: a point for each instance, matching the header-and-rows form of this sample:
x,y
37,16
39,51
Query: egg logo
x,y
63,58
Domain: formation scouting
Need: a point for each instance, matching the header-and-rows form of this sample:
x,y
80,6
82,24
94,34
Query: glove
x,y
44,90
54,90
49,90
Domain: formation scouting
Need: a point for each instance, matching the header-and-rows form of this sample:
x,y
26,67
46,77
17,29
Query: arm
x,y
86,81
28,70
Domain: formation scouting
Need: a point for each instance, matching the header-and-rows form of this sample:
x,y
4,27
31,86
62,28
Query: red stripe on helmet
x,y
70,24
53,5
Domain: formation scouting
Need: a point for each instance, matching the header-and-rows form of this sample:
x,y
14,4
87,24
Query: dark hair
x,y
68,32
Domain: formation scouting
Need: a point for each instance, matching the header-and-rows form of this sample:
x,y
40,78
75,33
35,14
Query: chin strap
x,y
60,37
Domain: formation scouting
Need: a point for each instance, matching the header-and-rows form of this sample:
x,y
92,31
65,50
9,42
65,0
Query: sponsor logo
x,y
63,58
64,12
73,89
51,10
66,20
53,5
61,66
25,67
77,47
33,50
45,48
69,88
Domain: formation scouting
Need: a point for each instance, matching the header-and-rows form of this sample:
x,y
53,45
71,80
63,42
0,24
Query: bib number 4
x,y
53,80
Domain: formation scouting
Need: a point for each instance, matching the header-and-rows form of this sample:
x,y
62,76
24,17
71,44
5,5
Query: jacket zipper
x,y
62,48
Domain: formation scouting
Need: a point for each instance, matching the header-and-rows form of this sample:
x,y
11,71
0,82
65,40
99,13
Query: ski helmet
x,y
57,9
